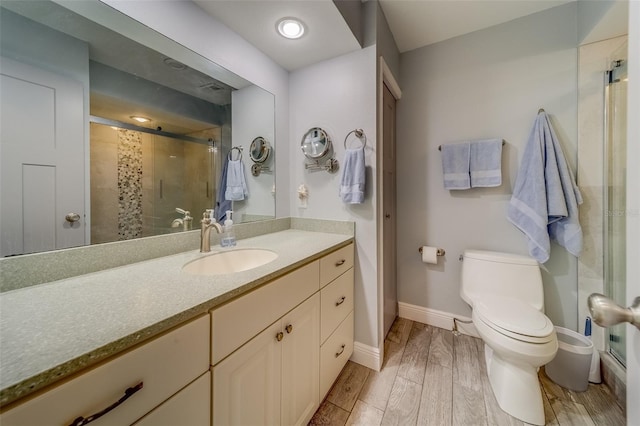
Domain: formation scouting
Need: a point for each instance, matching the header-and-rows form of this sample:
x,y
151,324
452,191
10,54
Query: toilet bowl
x,y
518,340
506,297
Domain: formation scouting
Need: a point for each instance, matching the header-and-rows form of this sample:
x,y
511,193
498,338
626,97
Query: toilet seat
x,y
514,319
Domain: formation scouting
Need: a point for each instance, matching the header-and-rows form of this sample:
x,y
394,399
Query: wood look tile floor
x,y
431,377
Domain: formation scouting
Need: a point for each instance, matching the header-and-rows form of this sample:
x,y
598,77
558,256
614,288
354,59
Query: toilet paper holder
x,y
439,252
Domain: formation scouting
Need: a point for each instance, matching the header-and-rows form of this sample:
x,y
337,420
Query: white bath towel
x,y
544,204
352,183
455,165
485,164
236,183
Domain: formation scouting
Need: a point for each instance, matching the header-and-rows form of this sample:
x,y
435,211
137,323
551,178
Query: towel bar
x,y
440,146
439,252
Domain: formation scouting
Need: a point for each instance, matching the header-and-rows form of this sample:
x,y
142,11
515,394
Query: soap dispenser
x,y
228,235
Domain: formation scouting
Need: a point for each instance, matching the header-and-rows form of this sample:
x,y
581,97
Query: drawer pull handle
x,y
81,421
340,262
279,336
340,353
289,328
341,301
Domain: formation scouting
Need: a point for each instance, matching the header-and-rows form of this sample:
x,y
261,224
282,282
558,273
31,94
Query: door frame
x,y
385,77
633,207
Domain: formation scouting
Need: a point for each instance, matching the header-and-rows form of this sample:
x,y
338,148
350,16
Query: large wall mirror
x,y
104,138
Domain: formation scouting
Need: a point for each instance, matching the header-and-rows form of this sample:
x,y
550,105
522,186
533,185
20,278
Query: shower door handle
x,y
606,312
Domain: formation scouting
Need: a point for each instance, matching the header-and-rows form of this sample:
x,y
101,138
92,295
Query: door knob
x,y
72,217
606,312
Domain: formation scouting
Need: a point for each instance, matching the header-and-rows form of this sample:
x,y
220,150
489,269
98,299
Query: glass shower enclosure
x,y
142,181
615,195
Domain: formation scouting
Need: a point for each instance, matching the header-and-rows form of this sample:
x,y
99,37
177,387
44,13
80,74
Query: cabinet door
x,y
301,362
189,407
246,385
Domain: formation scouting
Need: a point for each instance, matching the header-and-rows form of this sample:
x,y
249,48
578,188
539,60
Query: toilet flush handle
x,y
606,312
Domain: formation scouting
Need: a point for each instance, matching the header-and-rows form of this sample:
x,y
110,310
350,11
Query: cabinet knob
x,y
340,262
279,336
340,352
289,328
341,301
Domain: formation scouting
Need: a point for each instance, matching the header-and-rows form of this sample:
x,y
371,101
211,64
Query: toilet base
x,y
516,388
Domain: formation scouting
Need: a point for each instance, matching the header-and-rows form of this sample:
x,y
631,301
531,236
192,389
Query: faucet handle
x,y
207,216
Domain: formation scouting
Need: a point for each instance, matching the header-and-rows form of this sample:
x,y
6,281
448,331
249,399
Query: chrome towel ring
x,y
236,148
359,134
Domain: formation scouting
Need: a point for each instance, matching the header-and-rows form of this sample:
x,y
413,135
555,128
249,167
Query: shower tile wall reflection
x,y
129,184
139,201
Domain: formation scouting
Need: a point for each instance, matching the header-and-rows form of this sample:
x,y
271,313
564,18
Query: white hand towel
x,y
485,164
236,184
455,165
352,184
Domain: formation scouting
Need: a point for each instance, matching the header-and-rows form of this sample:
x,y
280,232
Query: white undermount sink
x,y
228,262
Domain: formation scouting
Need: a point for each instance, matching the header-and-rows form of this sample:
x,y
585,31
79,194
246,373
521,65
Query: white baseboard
x,y
435,318
366,355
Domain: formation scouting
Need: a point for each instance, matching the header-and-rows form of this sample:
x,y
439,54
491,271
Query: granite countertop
x,y
52,330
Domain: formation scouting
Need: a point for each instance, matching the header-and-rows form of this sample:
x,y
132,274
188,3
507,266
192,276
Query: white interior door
x,y
42,160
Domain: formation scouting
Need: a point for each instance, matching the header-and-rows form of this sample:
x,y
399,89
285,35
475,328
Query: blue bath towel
x,y
455,165
222,204
236,183
352,183
544,204
485,164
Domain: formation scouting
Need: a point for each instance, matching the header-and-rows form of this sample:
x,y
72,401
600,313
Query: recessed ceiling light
x,y
172,63
291,28
139,119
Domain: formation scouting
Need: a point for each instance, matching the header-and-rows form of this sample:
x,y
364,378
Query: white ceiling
x,y
414,23
418,23
327,34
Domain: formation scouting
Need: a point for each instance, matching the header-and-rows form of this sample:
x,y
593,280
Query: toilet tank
x,y
504,274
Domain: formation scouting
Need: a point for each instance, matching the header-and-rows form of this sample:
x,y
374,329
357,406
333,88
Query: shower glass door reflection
x,y
615,196
140,177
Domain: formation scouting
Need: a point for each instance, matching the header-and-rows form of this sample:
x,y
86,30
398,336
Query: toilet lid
x,y
514,318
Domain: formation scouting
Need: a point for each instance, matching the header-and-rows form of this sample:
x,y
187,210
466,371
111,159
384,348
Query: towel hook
x,y
541,110
359,134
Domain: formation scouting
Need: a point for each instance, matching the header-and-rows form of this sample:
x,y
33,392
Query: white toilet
x,y
505,292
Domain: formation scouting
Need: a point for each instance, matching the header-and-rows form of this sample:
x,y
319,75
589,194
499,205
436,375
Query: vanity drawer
x,y
164,365
336,301
335,353
334,264
237,322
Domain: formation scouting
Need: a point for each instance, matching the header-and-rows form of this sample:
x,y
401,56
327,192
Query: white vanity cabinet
x,y
273,379
336,300
155,371
267,358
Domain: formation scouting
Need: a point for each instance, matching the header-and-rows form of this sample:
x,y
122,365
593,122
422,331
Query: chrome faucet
x,y
207,222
